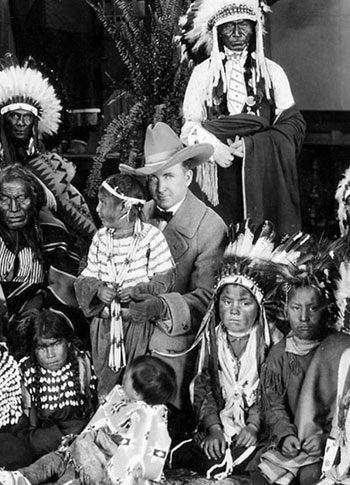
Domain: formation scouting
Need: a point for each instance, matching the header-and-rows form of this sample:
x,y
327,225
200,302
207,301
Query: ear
x,y
189,177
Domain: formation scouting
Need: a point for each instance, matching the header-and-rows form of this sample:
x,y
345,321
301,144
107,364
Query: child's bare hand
x,y
106,294
248,436
291,446
125,294
214,444
314,445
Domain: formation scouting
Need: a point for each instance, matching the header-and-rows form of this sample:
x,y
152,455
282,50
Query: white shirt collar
x,y
174,208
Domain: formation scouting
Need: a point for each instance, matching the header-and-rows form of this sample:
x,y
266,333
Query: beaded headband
x,y
119,194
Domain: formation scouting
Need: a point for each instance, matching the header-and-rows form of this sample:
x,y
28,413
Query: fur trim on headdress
x,y
26,87
199,31
342,192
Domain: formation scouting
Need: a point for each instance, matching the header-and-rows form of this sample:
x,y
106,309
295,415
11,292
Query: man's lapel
x,y
182,227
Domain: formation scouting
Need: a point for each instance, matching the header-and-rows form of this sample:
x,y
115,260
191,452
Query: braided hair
x,y
50,325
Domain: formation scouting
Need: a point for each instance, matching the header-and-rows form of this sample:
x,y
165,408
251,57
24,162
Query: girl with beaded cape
x,y
236,333
127,259
58,385
306,291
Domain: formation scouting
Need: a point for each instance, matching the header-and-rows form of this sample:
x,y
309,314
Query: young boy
x,y
235,340
126,440
127,259
310,313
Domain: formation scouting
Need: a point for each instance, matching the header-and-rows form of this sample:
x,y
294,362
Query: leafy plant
x,y
158,79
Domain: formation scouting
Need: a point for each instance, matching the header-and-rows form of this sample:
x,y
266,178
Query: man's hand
x,y
236,147
248,436
148,306
223,155
214,444
291,446
314,445
106,294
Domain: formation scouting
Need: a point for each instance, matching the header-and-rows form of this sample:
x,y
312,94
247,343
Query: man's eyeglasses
x,y
26,118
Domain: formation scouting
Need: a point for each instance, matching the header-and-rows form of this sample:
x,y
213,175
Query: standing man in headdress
x,y
196,238
241,103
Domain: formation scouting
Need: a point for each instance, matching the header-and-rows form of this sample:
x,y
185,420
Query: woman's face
x,y
51,353
305,313
16,206
238,309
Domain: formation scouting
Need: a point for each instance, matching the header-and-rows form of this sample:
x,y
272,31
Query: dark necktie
x,y
162,215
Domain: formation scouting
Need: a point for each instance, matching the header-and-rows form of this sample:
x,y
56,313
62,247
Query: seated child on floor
x,y
235,340
126,440
324,399
58,386
128,259
307,294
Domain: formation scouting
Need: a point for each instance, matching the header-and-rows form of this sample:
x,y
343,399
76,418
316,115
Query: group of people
x,y
165,337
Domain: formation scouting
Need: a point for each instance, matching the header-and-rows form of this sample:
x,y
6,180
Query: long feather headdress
x,y
199,32
26,87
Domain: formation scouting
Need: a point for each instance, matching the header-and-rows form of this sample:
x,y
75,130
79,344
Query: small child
x,y
127,258
126,441
58,389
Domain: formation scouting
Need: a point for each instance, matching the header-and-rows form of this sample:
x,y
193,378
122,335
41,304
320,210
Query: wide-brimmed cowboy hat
x,y
164,149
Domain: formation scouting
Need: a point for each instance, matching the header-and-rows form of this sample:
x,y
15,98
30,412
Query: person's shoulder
x,y
203,211
335,344
277,350
202,66
274,69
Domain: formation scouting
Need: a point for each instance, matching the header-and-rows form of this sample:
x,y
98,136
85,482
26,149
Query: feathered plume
x,y
342,295
342,192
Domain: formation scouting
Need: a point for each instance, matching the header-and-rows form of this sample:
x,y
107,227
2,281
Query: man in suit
x,y
196,237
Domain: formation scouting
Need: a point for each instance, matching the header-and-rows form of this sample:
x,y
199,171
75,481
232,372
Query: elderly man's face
x,y
169,186
16,206
236,35
19,124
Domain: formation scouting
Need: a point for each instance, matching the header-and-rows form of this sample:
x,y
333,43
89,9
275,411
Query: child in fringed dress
x,y
127,259
307,293
236,337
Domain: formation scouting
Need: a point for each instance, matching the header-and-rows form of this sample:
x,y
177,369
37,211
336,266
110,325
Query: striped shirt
x,y
152,256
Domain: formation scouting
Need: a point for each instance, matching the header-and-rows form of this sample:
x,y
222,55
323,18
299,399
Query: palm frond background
x,y
157,78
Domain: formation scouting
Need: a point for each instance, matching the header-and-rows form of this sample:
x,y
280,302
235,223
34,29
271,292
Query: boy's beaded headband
x,y
119,194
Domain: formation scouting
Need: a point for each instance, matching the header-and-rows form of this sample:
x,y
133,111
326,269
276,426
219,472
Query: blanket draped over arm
x,y
269,172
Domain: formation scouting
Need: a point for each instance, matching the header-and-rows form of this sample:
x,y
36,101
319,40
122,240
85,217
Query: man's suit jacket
x,y
196,236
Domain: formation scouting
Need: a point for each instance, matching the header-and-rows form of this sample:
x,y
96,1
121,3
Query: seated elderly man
x,y
37,267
